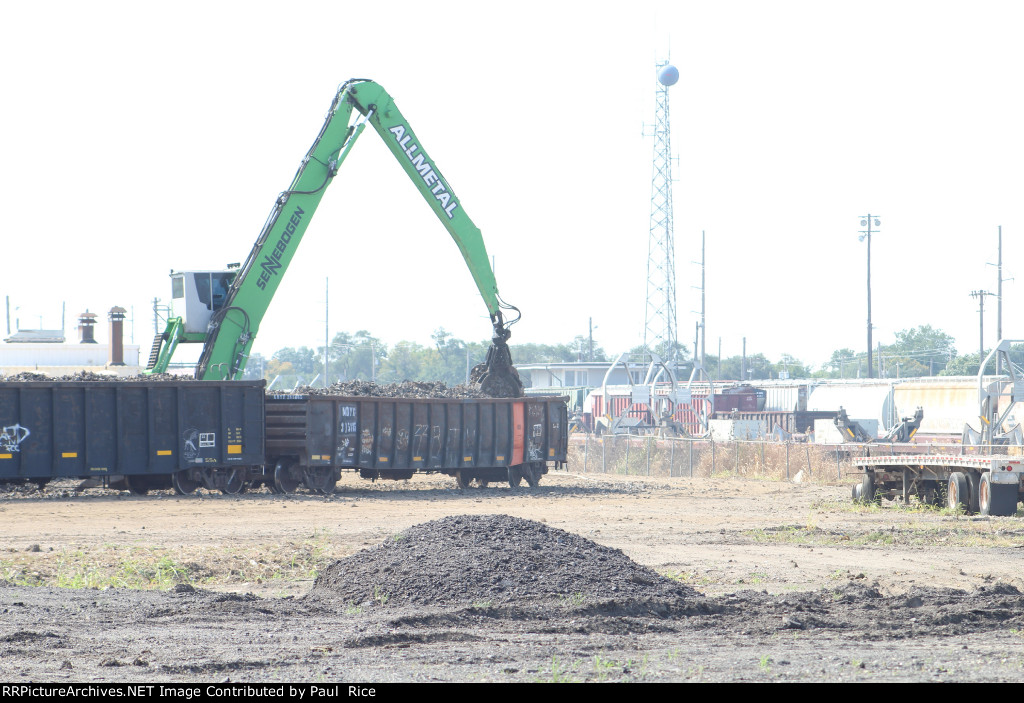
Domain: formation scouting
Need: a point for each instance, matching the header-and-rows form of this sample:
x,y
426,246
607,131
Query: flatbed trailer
x,y
990,485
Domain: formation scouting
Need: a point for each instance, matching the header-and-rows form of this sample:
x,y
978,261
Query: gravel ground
x,y
591,578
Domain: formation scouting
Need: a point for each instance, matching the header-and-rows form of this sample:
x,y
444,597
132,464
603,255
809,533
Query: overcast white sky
x,y
141,137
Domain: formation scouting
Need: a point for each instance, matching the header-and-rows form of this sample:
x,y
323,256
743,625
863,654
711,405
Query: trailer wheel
x,y
867,489
995,498
956,492
183,484
974,483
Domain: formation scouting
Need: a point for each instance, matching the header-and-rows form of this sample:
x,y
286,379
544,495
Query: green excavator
x,y
223,309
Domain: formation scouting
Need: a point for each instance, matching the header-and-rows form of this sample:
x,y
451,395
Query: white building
x,y
576,374
47,352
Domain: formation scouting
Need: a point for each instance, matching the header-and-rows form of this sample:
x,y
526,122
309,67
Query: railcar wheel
x,y
482,483
286,478
956,492
462,480
995,498
232,482
183,484
531,472
137,485
515,477
320,479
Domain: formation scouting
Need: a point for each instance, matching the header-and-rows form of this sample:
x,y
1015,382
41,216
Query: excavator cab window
x,y
212,288
219,284
203,289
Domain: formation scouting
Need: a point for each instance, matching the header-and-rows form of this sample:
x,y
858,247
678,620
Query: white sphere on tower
x,y
668,75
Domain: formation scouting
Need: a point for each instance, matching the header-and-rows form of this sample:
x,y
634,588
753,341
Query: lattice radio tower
x,y
660,332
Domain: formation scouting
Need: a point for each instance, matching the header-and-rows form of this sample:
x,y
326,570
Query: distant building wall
x,y
32,355
576,374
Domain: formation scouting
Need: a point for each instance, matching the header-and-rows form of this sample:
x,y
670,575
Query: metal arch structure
x,y
996,427
660,329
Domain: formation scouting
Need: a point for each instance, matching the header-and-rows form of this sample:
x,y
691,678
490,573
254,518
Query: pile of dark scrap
x,y
494,559
406,389
90,377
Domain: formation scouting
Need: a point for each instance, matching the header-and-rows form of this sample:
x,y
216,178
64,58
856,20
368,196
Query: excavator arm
x,y
232,328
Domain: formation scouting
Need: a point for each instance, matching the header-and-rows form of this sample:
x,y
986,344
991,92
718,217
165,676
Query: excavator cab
x,y
197,295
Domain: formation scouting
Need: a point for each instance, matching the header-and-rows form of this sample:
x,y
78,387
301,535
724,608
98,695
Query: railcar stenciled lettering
x,y
426,170
272,261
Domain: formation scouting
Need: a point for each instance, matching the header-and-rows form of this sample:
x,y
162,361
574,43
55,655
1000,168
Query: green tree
x,y
921,351
292,366
788,366
966,365
757,367
354,356
576,350
844,363
453,358
405,362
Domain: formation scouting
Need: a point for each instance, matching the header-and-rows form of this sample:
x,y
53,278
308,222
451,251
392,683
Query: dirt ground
x,y
750,580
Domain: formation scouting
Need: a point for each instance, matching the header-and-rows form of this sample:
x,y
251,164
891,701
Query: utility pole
x,y
327,332
999,290
703,326
980,295
743,362
698,351
999,303
590,355
866,234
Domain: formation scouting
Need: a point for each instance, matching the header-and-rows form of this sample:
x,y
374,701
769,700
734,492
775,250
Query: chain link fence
x,y
761,459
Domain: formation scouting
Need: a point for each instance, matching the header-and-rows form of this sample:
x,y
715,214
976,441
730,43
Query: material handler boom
x,y
226,308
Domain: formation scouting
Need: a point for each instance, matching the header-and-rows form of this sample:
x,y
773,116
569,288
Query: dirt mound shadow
x,y
488,560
